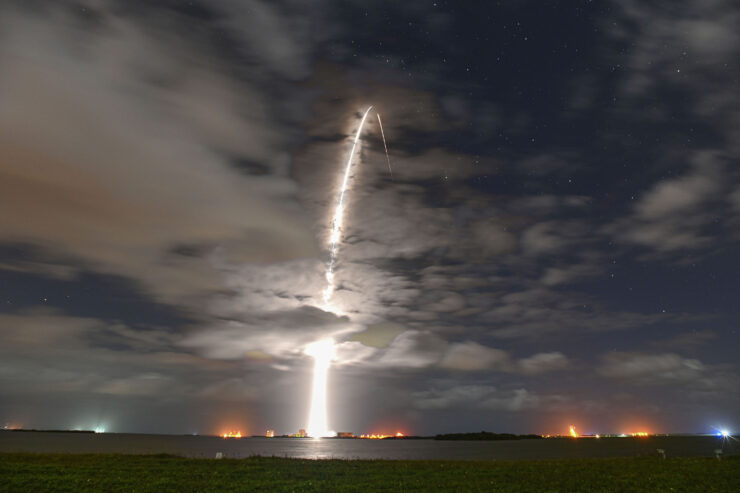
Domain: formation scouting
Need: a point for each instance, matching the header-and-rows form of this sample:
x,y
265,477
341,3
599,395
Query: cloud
x,y
145,384
535,311
658,366
282,334
679,195
463,395
379,335
414,349
117,146
515,400
543,362
688,340
477,396
45,350
668,369
675,213
554,276
470,356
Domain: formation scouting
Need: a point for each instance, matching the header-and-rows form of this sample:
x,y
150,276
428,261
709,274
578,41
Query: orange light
x,y
640,434
232,434
573,431
380,436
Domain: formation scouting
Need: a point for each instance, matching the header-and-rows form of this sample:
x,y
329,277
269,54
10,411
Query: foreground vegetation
x,y
69,472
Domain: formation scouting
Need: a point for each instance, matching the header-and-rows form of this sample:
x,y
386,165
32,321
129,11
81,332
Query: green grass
x,y
70,472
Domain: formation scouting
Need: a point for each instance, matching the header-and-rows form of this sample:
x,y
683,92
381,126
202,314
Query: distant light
x,y
597,436
724,433
99,429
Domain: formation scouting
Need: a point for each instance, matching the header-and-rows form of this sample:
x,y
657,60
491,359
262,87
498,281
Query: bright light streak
x,y
322,352
572,431
725,433
385,146
336,224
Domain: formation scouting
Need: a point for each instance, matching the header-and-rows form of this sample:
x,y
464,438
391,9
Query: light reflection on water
x,y
202,446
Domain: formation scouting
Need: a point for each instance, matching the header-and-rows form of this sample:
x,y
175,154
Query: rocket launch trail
x,y
323,351
336,223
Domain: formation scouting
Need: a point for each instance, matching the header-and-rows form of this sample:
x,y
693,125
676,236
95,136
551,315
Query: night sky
x,y
558,243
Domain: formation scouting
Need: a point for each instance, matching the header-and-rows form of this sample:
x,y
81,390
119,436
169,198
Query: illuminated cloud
x,y
470,356
543,362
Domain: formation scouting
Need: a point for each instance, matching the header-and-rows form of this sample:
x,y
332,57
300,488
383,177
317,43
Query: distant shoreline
x,y
21,430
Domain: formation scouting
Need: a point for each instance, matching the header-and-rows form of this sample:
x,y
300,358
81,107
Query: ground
x,y
71,472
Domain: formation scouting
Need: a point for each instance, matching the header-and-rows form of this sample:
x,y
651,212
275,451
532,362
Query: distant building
x,y
345,434
270,433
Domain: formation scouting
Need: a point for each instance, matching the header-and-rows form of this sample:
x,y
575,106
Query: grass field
x,y
69,472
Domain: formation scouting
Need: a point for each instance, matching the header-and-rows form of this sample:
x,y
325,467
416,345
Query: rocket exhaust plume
x,y
322,352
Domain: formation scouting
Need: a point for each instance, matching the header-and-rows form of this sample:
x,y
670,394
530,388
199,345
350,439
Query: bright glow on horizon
x,y
724,433
572,431
322,353
99,429
232,434
380,436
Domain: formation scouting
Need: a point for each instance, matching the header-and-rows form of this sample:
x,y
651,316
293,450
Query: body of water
x,y
207,446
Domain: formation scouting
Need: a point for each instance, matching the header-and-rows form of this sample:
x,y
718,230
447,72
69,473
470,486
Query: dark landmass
x,y
410,437
108,472
17,430
485,435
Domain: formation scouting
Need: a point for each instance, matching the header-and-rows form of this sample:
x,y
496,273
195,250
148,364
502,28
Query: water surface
x,y
206,446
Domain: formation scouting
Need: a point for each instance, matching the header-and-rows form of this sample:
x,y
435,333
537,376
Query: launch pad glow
x,y
322,352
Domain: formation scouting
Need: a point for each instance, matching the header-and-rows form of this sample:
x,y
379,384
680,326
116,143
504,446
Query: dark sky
x,y
558,243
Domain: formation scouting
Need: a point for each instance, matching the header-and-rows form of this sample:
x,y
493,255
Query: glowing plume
x,y
322,352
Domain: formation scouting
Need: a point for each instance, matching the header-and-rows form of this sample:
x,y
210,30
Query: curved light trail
x,y
336,222
323,351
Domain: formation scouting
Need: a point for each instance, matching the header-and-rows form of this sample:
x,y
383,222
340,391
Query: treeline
x,y
484,435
